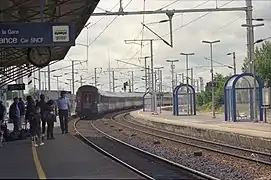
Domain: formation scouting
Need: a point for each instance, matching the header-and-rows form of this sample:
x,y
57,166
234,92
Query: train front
x,y
87,101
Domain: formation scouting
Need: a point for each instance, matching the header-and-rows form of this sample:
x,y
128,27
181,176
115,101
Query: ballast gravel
x,y
214,164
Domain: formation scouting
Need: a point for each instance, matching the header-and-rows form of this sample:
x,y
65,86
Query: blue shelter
x,y
180,97
232,84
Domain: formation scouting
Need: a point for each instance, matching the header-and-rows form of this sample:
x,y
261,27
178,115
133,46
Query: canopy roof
x,y
13,61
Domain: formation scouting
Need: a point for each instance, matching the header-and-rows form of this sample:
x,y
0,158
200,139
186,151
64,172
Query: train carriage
x,y
91,101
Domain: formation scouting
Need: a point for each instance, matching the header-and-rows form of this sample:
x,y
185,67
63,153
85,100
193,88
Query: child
x,y
36,128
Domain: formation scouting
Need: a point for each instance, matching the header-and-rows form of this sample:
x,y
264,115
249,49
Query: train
x,y
91,101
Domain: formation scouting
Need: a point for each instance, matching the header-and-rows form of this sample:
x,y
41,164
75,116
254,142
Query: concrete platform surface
x,y
63,158
206,127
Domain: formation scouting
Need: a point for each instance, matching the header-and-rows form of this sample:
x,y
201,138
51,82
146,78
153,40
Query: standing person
x,y
36,127
42,105
22,112
14,114
51,119
3,111
63,108
30,111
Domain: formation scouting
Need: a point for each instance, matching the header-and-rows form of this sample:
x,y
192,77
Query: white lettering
x,y
4,31
24,41
8,40
36,40
10,31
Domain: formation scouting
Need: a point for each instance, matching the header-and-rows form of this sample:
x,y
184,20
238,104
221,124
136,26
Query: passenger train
x,y
91,101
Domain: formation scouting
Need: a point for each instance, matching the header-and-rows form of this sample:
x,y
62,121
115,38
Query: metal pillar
x,y
49,80
132,81
145,69
187,79
152,77
81,80
212,73
155,80
113,81
176,79
192,77
161,90
212,76
95,77
234,63
149,78
72,77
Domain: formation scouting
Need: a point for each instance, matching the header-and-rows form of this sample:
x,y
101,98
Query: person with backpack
x,y
14,114
50,115
36,128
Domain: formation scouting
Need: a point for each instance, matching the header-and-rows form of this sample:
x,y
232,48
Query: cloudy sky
x,y
106,37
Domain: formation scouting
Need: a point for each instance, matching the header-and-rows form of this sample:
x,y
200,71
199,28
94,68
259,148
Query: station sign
x,y
14,87
37,34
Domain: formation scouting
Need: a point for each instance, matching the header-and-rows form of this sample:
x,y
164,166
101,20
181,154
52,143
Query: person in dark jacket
x,y
3,111
42,104
30,111
14,114
22,112
51,118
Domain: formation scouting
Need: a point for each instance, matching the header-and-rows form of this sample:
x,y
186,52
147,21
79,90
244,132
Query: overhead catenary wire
x,y
184,25
91,25
111,22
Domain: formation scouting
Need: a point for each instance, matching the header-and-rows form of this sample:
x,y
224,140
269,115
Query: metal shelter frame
x,y
191,89
13,61
230,95
146,93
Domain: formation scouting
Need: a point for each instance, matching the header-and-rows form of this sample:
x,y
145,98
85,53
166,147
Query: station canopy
x,y
14,61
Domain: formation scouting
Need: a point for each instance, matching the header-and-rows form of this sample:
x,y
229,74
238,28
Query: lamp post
x,y
70,84
212,73
234,61
160,76
172,76
172,71
251,43
57,76
187,78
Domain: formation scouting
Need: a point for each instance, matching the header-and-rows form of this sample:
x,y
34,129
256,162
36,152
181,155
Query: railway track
x,y
146,164
247,154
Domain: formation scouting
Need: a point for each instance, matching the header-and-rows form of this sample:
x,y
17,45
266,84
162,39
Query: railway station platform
x,y
65,157
244,134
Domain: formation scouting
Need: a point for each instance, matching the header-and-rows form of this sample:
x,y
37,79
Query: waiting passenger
x,y
3,111
42,104
63,107
30,111
22,111
51,118
14,114
36,128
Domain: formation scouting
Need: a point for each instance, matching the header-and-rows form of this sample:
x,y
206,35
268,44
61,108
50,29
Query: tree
x,y
262,62
205,98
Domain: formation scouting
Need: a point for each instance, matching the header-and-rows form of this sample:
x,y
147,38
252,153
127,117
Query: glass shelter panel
x,y
185,102
147,102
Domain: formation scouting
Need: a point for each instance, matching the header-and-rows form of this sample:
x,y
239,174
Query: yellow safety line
x,y
39,168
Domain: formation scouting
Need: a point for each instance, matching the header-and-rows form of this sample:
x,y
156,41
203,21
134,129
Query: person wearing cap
x,y
63,109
